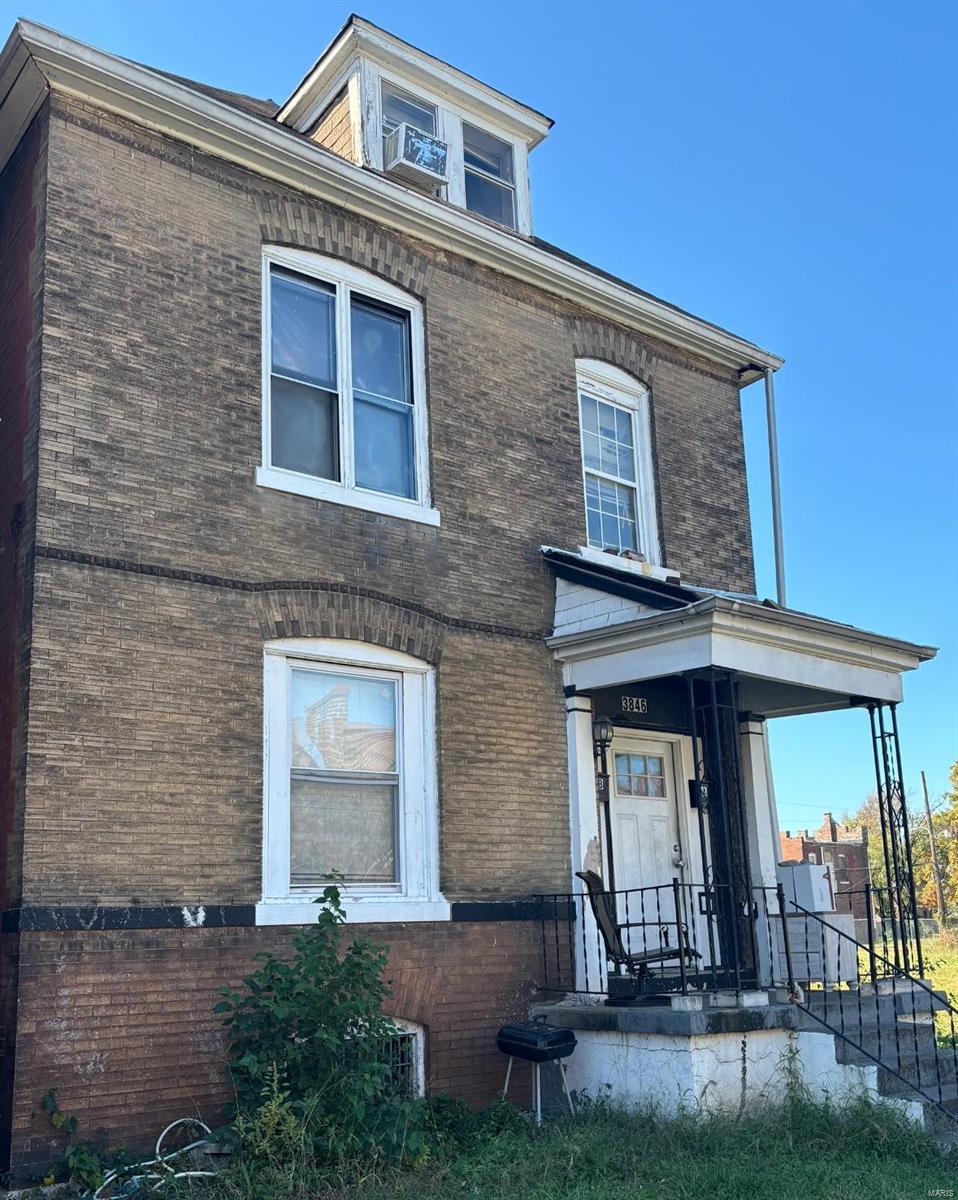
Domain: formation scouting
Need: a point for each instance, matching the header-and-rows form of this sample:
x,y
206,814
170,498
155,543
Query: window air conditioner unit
x,y
416,156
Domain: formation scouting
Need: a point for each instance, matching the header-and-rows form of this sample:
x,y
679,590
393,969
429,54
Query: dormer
x,y
383,104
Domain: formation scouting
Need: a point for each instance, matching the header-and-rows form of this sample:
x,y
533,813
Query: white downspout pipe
x,y
776,493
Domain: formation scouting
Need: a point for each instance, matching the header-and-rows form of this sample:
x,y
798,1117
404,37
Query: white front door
x,y
645,840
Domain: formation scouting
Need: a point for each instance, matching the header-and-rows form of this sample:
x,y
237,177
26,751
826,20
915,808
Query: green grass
x,y
940,955
802,1152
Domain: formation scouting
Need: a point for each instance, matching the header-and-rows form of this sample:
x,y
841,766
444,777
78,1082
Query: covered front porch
x,y
669,690
680,923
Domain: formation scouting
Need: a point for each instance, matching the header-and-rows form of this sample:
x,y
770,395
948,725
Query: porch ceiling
x,y
788,662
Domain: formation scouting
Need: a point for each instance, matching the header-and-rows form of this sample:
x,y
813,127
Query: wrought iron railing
x,y
681,938
674,937
882,1015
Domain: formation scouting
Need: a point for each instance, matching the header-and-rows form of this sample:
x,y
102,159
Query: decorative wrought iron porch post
x,y
896,839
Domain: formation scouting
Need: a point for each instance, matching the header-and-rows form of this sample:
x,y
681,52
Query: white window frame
x,y
346,279
449,119
416,897
417,1036
613,386
498,181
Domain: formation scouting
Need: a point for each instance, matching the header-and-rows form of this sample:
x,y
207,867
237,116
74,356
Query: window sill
x,y
335,493
359,910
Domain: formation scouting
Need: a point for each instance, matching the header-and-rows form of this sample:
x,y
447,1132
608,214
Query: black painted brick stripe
x,y
71,918
104,562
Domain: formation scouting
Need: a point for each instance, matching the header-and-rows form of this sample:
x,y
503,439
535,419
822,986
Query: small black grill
x,y
535,1041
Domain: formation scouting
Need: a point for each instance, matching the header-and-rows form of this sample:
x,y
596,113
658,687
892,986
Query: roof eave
x,y
276,152
361,38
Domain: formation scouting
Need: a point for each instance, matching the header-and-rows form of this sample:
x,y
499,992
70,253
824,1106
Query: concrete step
x,y
864,1046
904,1001
893,1088
943,1124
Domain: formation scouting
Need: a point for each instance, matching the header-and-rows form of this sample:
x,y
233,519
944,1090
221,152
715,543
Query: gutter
x,y
277,153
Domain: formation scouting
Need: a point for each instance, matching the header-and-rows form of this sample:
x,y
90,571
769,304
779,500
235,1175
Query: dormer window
x,y
490,175
381,103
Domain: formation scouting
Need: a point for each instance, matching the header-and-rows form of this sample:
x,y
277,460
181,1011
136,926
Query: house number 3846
x,y
635,704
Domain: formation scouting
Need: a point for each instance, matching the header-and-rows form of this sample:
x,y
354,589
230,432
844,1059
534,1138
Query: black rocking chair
x,y
610,927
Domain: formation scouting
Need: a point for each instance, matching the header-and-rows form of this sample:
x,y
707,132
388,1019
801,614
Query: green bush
x,y
307,1041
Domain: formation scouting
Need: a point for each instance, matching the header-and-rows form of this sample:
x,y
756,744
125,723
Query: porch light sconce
x,y
602,733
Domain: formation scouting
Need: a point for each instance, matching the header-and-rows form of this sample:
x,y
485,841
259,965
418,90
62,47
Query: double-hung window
x,y
350,793
344,387
490,175
616,460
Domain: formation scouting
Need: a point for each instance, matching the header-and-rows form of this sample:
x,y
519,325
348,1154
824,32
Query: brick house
x,y
289,587
844,850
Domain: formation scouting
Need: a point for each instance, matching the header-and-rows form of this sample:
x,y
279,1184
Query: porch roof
x,y
787,661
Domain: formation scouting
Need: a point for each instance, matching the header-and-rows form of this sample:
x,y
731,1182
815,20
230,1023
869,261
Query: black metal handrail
x,y
680,937
886,1015
679,940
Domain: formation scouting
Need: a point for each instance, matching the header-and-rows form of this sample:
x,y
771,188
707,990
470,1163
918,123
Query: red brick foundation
x,y
121,1023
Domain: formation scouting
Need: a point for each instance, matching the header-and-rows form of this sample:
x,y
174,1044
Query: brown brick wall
x,y
146,743
121,1024
162,568
156,418
22,193
334,129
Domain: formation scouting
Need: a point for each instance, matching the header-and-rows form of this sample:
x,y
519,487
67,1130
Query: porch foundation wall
x,y
725,1072
120,1023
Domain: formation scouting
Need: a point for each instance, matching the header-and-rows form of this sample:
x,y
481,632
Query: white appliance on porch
x,y
820,949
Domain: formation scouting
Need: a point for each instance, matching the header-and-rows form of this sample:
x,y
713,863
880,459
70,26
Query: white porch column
x,y
586,842
763,843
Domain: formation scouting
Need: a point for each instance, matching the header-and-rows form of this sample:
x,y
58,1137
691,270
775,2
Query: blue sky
x,y
787,170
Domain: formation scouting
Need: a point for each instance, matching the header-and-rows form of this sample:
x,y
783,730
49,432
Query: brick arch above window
x,y
311,227
615,347
353,615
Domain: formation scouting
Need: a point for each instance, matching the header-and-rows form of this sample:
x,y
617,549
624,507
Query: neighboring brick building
x,y
302,425
842,848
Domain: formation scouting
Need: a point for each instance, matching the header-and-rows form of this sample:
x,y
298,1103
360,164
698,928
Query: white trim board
x,y
275,152
770,644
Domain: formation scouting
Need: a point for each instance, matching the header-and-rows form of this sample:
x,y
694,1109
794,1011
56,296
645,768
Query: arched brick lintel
x,y
617,347
322,230
293,613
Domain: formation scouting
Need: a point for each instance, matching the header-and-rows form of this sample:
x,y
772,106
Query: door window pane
x,y
640,775
303,330
304,429
342,830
